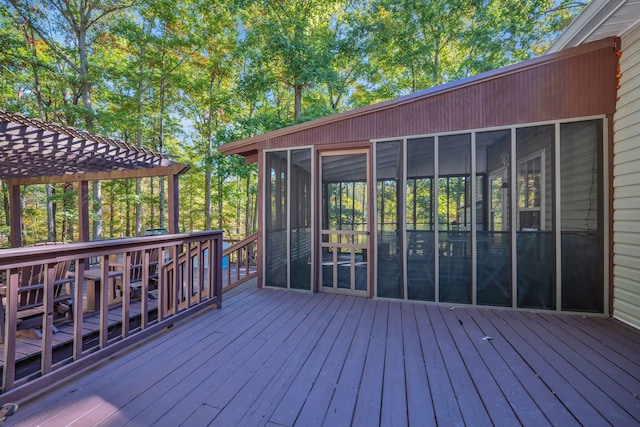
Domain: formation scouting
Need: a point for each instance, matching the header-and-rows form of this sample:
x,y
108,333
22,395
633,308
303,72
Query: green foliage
x,y
185,77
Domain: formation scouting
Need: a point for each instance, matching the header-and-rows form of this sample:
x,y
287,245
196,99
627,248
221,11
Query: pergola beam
x,y
34,152
173,169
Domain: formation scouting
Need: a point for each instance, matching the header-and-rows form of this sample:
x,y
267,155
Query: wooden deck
x,y
282,358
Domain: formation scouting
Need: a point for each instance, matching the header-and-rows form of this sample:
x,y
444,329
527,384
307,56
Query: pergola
x,y
36,152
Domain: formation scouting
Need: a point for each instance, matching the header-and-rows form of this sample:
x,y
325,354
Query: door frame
x,y
337,150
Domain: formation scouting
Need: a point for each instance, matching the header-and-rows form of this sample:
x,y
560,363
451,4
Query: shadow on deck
x,y
291,358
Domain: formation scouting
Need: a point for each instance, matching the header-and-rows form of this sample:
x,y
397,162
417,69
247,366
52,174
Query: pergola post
x,y
15,215
174,203
83,211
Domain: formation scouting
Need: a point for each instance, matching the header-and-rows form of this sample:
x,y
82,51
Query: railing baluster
x,y
183,288
104,302
126,292
78,308
47,318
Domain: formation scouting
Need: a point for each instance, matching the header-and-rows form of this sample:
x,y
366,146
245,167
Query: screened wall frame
x,y
363,148
513,205
288,222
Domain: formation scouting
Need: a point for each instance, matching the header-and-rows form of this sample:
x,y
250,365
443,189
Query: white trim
x,y
556,223
374,235
288,150
590,20
402,184
608,280
490,129
436,222
543,186
504,212
321,231
313,242
513,221
263,201
288,215
474,226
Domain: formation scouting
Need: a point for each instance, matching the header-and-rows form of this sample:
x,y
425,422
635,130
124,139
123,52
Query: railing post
x,y
11,313
218,269
144,315
200,283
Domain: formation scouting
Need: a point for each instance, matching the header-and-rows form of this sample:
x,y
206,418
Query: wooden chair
x,y
31,293
135,272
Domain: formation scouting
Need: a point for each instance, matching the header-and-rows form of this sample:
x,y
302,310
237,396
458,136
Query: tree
x,y
74,19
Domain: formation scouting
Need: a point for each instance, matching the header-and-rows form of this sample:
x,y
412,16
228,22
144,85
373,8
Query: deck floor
x,y
282,358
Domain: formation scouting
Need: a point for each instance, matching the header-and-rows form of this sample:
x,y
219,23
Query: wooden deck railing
x,y
239,262
120,313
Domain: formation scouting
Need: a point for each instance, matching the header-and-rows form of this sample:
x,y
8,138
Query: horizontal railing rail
x,y
134,291
239,262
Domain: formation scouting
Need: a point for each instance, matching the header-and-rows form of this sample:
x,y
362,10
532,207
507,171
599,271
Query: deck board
x,y
317,402
394,399
343,401
420,408
367,410
549,366
280,358
592,387
511,404
445,403
266,372
546,404
245,347
469,401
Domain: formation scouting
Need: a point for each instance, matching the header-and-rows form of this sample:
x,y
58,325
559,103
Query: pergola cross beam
x,y
37,152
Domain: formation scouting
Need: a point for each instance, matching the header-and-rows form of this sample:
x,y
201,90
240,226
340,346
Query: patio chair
x,y
31,292
135,273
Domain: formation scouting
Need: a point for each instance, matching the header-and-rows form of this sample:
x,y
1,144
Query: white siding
x,y
626,186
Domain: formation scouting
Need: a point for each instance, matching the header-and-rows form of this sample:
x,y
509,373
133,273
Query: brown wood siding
x,y
577,86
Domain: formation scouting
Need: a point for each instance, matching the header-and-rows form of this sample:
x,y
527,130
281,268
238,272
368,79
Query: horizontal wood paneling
x,y
626,186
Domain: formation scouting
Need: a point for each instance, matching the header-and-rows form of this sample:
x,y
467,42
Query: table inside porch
x,y
93,276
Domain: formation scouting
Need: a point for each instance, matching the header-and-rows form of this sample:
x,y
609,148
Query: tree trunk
x,y
112,211
127,209
247,207
69,203
160,147
138,205
85,91
298,101
220,202
5,205
152,208
51,217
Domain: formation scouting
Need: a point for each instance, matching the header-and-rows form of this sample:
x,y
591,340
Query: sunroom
x,y
490,191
